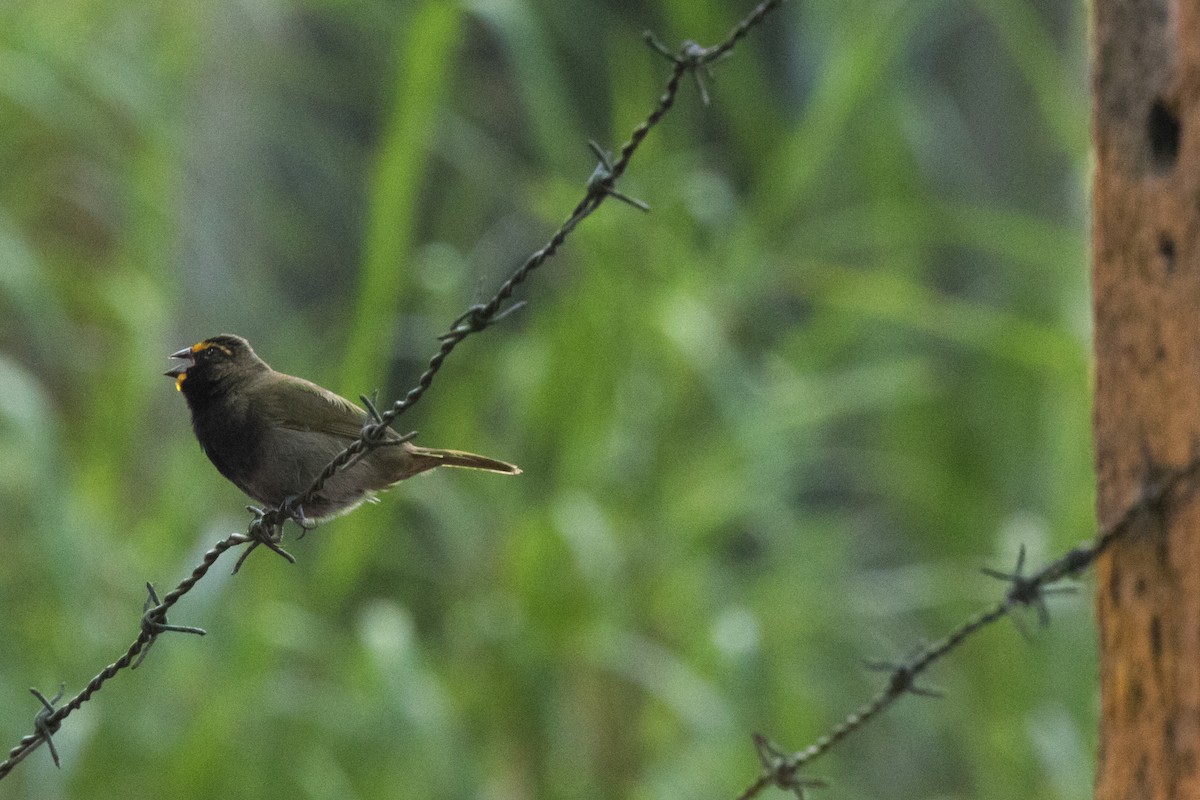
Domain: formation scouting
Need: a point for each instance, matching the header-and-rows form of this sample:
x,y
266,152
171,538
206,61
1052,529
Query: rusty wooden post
x,y
1146,295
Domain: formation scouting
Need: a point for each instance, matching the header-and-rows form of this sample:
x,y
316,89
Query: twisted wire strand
x,y
53,720
480,316
1023,591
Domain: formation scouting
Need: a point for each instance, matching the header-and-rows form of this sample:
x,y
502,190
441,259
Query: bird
x,y
271,434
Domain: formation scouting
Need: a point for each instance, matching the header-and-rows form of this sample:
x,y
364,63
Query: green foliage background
x,y
768,431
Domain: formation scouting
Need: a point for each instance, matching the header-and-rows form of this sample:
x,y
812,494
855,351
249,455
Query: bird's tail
x,y
429,457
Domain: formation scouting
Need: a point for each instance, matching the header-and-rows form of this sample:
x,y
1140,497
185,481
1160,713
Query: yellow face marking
x,y
179,381
196,348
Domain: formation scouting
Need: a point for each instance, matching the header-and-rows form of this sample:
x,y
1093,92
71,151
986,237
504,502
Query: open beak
x,y
186,355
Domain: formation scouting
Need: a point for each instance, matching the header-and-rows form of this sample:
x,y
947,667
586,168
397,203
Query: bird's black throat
x,y
229,434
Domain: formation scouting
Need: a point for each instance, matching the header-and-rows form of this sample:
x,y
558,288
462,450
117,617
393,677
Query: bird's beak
x,y
180,372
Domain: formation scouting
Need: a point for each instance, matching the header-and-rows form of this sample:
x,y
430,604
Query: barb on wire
x,y
154,623
601,180
1024,591
692,57
902,678
45,724
1027,591
600,186
473,320
266,527
778,769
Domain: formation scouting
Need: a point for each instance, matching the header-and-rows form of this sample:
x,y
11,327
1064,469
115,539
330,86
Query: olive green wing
x,y
301,405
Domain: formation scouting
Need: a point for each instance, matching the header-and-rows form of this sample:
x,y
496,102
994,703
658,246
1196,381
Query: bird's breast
x,y
232,440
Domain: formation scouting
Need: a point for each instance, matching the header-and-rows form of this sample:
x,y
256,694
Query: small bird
x,y
271,434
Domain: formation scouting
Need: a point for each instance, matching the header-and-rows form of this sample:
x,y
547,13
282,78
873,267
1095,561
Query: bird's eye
x,y
211,349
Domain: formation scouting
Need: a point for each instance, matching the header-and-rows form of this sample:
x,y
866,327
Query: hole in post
x,y
1166,249
1162,131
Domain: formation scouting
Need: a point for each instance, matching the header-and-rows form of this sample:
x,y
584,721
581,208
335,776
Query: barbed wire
x,y
154,623
784,770
267,526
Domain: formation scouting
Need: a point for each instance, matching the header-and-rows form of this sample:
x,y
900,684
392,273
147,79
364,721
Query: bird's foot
x,y
297,516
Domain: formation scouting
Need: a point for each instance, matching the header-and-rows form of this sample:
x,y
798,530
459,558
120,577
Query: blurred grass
x,y
424,56
768,431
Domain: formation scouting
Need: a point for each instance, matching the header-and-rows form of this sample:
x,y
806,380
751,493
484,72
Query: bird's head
x,y
214,365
